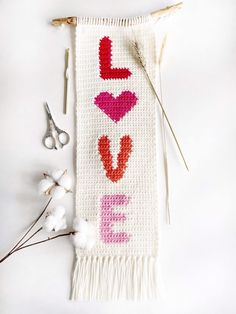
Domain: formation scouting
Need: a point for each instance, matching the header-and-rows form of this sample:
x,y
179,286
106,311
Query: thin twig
x,y
37,231
142,62
45,240
13,251
6,256
35,243
31,227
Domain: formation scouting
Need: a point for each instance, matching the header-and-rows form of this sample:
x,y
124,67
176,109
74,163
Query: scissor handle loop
x,y
63,137
49,141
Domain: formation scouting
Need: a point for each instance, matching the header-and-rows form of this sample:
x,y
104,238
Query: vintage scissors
x,y
54,134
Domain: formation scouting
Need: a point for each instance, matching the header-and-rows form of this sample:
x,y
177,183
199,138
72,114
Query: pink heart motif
x,y
116,107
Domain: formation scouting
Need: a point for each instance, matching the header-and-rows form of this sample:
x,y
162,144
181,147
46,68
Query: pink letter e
x,y
109,217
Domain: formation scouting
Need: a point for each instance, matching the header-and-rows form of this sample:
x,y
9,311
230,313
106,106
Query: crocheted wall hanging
x,y
116,179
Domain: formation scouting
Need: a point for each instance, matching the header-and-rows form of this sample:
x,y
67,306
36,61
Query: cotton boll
x,y
57,192
85,236
83,226
56,174
79,240
60,224
65,181
63,224
45,184
49,223
59,211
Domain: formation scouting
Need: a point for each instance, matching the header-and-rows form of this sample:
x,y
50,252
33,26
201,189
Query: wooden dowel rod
x,y
72,20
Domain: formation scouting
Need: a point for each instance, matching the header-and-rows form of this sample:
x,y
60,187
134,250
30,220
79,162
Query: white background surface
x,y
197,252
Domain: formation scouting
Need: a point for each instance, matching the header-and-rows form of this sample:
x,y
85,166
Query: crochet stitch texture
x,y
116,179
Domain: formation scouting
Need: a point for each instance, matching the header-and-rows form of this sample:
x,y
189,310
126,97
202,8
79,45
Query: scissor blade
x,y
48,110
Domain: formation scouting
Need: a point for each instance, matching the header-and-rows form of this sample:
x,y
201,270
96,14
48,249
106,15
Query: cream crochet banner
x,y
116,157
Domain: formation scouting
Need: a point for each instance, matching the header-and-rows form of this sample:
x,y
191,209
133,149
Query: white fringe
x,y
114,277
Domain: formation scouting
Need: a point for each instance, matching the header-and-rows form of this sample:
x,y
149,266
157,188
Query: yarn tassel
x,y
114,277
